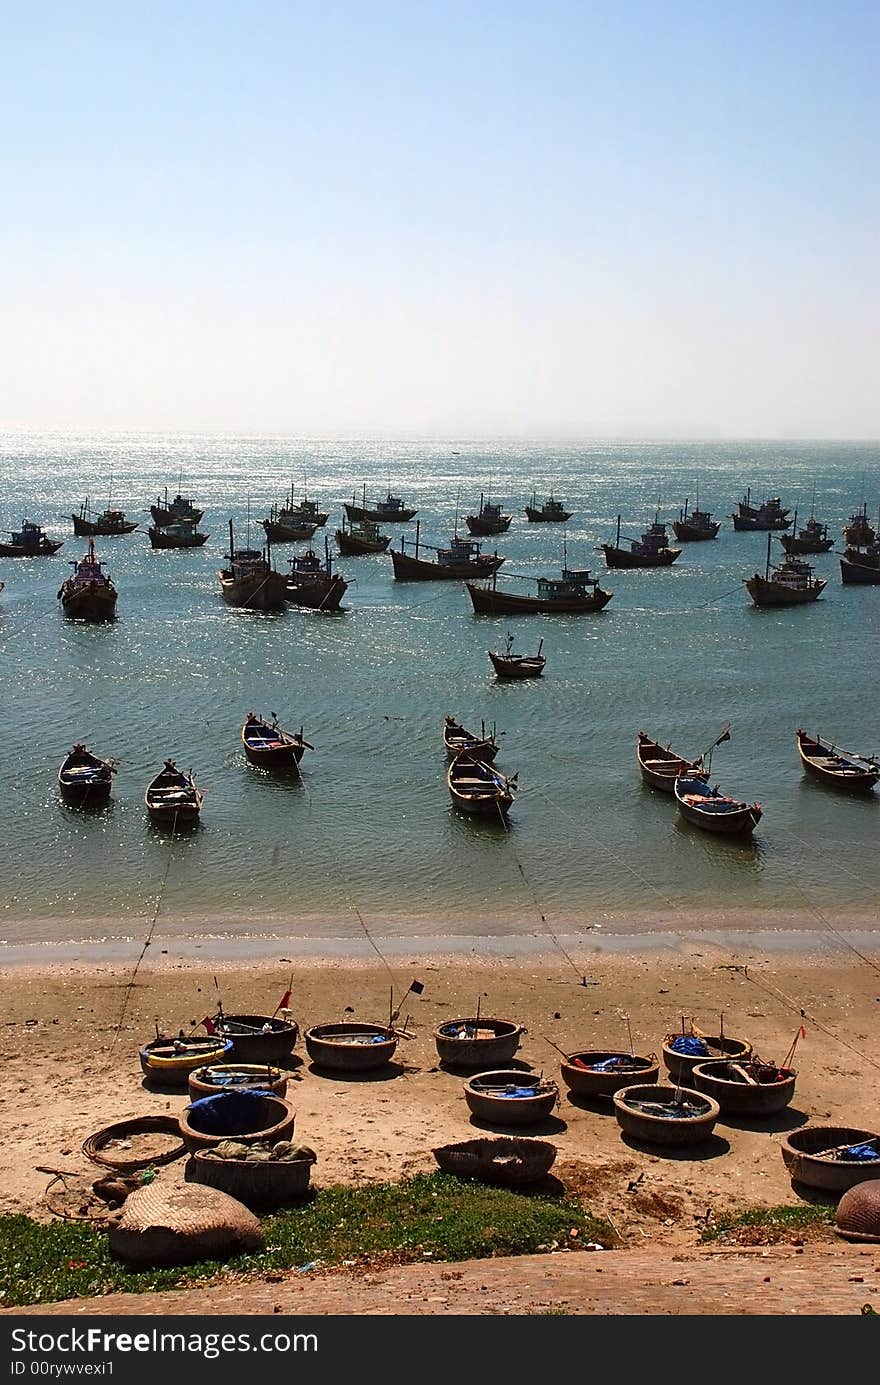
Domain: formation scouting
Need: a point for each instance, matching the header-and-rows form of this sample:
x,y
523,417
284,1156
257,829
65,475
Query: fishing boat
x,y
289,523
177,511
489,519
391,510
573,593
462,559
861,567
812,538
696,526
169,1062
88,593
747,510
251,581
458,741
858,532
711,809
843,769
267,745
106,524
510,665
769,515
313,583
660,766
651,550
83,777
792,583
551,512
180,535
29,542
361,537
476,787
172,797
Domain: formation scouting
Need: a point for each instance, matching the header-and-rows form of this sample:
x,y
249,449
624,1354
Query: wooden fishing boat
x,y
84,778
170,1061
812,538
180,510
858,532
660,766
88,593
391,510
106,524
843,769
651,550
573,593
29,542
458,741
861,567
289,523
176,536
769,515
172,797
267,745
251,581
361,536
792,583
475,787
695,527
510,665
462,559
711,809
489,519
551,512
313,583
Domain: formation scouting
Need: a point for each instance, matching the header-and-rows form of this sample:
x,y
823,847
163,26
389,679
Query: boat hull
x,y
859,574
538,516
622,557
723,824
517,668
262,592
776,594
163,538
357,513
85,528
16,550
89,603
744,524
792,544
485,527
163,516
287,533
490,602
356,548
659,765
688,533
93,782
853,778
410,569
317,596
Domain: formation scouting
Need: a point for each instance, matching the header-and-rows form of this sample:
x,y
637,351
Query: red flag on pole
x,y
284,1001
209,1024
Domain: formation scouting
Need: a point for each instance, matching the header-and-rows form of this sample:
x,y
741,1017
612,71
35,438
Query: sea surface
x,y
366,837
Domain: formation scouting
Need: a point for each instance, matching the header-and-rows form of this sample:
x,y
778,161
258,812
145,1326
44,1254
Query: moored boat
x,y
812,538
88,593
391,510
696,526
712,810
84,778
660,766
573,593
289,523
179,510
108,523
266,744
843,769
29,542
510,665
176,536
858,532
361,537
462,559
172,797
769,515
251,581
489,519
313,582
651,550
458,741
792,583
476,787
551,512
861,567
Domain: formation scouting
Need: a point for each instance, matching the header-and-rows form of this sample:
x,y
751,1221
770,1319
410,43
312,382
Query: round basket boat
x,y
170,1061
141,1142
259,1186
511,1097
657,1128
239,1077
508,1160
680,1065
477,1042
259,1038
737,1097
350,1047
807,1156
266,1118
582,1078
858,1212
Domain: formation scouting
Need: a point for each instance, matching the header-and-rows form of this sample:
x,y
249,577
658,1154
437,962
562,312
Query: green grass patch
x,y
436,1213
772,1223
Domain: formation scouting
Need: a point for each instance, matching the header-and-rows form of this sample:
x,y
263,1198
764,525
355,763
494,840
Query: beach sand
x,y
65,1072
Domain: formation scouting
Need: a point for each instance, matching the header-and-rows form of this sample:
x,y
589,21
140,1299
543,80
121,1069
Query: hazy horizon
x,y
573,222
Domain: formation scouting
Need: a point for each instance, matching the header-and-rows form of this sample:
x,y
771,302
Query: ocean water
x,y
368,829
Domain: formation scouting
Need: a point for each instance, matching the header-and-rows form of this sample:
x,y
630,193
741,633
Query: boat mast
x,y
617,541
767,572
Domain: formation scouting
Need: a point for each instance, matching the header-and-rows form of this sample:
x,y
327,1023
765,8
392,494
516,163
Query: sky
x,y
547,219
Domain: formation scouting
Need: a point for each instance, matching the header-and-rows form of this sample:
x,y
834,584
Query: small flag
x,y
417,987
803,1032
284,1001
209,1024
725,736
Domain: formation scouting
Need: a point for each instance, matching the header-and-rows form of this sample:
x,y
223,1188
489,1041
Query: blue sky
x,y
442,218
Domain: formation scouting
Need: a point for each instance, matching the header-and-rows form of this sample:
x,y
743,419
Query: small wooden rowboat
x,y
268,745
711,809
171,1061
510,665
172,797
84,778
826,762
660,765
458,741
476,787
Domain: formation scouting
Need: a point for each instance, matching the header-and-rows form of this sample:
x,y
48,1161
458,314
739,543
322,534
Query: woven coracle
x,y
858,1212
801,1150
273,1119
506,1160
480,1050
221,1077
256,1046
740,1098
327,1047
165,1225
174,1069
503,1110
680,1065
665,1130
258,1185
95,1147
587,1082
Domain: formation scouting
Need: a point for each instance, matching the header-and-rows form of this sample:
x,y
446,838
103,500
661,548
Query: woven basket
x,y
94,1147
506,1160
257,1185
680,1065
740,1098
278,1118
327,1047
502,1110
257,1047
587,1082
665,1130
167,1225
801,1149
478,1052
858,1212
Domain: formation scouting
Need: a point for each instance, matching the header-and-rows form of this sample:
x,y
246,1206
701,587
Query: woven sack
x,y
177,1225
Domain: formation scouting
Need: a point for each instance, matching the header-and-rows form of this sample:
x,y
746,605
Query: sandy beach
x,y
68,1067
